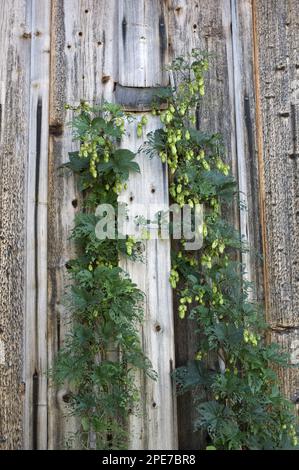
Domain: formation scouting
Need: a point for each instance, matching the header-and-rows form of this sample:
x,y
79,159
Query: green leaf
x,y
81,124
76,164
98,123
194,374
121,163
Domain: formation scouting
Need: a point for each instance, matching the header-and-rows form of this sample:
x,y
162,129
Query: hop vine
x,y
237,397
103,350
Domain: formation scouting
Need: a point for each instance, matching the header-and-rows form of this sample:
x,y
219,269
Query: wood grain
x,y
143,46
83,66
143,54
252,99
155,427
224,30
15,23
35,352
276,36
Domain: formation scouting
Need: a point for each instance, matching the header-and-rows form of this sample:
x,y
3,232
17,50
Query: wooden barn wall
x,y
60,51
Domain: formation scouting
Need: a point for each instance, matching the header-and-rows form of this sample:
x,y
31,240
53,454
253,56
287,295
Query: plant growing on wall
x,y
237,398
103,348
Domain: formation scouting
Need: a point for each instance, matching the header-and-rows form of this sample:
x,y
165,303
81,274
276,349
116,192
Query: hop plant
x,y
238,402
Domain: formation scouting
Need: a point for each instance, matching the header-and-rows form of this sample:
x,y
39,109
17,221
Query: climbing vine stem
x,y
237,397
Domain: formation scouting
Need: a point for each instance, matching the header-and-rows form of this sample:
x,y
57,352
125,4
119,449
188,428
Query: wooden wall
x,y
60,51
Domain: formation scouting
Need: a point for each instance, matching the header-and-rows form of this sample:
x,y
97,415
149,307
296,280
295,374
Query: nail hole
x,y
75,203
99,43
154,404
66,398
86,11
83,76
131,198
69,46
194,26
26,35
158,327
80,33
153,190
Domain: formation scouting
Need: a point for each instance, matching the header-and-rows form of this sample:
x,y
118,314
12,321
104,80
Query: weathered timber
x,y
224,30
116,50
35,360
83,66
277,62
143,54
15,24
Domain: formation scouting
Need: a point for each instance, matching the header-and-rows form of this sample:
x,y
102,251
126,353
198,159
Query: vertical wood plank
x,y
35,424
155,426
245,135
142,43
224,30
276,40
84,59
142,57
15,23
196,25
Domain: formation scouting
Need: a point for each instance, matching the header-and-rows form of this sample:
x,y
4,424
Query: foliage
x,y
103,350
238,401
232,376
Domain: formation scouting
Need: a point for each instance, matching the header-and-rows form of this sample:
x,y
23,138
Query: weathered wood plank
x,y
143,45
245,135
35,423
14,82
224,30
142,57
193,25
276,37
288,340
155,427
83,66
